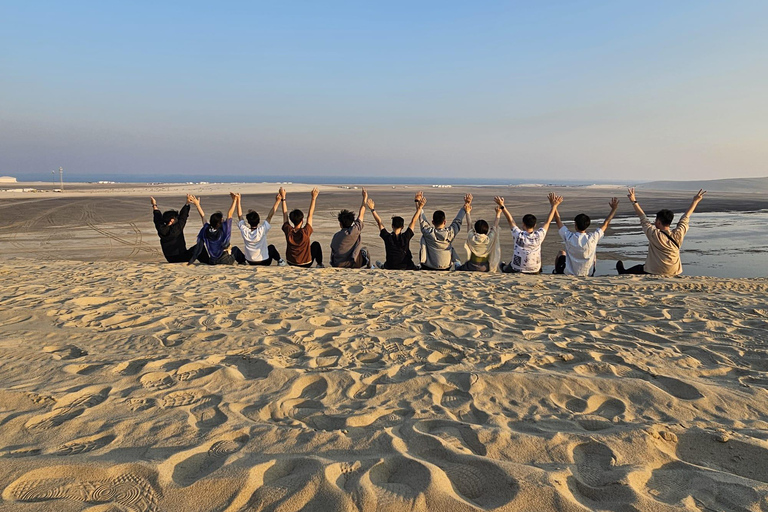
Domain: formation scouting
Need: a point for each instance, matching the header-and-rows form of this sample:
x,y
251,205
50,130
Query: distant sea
x,y
315,180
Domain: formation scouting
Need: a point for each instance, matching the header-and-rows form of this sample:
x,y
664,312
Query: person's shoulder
x,y
383,233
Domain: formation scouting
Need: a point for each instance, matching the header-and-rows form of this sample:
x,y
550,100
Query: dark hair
x,y
346,218
296,216
481,227
252,218
169,216
529,221
398,223
438,217
216,220
582,222
665,217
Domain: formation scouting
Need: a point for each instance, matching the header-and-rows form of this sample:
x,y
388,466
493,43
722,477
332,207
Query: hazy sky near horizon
x,y
593,90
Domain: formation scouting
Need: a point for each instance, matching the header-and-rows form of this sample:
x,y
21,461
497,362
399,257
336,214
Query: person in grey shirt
x,y
346,244
436,239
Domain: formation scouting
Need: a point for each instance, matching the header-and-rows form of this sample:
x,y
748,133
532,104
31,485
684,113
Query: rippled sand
x,y
158,387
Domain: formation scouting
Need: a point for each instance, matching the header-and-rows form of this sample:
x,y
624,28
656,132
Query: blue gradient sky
x,y
600,90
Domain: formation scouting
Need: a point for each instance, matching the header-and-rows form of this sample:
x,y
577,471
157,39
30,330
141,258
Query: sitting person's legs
x,y
637,269
317,253
560,263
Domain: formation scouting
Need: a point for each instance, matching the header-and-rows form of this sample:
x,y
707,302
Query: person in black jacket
x,y
170,229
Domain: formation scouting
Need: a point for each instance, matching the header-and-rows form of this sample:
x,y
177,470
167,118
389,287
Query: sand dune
x,y
158,387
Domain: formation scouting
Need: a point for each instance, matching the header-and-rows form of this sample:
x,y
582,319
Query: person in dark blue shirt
x,y
214,236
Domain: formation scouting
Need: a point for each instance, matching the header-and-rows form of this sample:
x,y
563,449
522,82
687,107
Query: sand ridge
x,y
163,387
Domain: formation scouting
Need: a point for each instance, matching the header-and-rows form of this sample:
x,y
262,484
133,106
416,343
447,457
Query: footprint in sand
x,y
85,444
207,414
129,490
181,398
171,338
302,401
396,483
53,419
64,352
157,380
130,367
191,371
249,367
596,476
86,397
206,460
288,478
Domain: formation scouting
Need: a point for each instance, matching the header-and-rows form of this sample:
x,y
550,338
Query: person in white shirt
x,y
578,258
526,258
256,250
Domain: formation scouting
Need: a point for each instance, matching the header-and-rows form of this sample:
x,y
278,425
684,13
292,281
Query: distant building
x,y
7,179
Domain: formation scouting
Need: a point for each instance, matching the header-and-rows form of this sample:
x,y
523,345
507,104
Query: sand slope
x,y
158,387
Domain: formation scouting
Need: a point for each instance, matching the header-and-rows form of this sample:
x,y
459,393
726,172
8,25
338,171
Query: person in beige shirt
x,y
663,243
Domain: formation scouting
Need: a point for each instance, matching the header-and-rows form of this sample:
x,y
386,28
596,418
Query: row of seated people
x,y
436,251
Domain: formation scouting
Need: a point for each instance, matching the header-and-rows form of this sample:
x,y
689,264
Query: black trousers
x,y
187,255
271,250
559,265
317,256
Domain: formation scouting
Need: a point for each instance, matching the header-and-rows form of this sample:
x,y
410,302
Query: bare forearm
x,y
608,219
361,213
558,220
273,211
311,214
691,209
377,219
638,211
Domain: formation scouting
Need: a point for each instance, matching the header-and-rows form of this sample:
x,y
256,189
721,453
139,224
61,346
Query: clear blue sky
x,y
599,90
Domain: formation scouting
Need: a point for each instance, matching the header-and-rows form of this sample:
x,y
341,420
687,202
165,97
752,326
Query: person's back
x,y
300,251
437,239
526,257
663,243
216,238
170,230
397,249
580,250
346,244
298,240
664,247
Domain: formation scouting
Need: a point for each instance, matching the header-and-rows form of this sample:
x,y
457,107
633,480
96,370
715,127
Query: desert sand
x,y
129,384
148,387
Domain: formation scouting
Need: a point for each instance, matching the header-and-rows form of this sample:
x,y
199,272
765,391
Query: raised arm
x,y
239,208
361,213
281,193
419,208
631,195
455,226
184,212
554,202
312,203
498,217
500,201
157,217
696,200
467,212
614,208
234,204
274,208
196,202
372,206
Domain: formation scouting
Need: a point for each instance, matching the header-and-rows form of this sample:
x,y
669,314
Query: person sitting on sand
x,y
579,256
346,244
397,243
526,258
170,228
482,245
299,251
663,244
436,251
257,252
214,237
